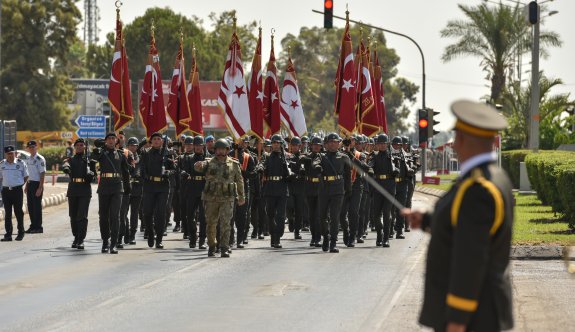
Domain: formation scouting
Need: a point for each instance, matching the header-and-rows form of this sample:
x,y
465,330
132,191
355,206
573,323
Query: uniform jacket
x,y
467,279
224,181
78,169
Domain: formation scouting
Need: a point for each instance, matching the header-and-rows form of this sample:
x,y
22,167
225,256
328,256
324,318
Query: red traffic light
x,y
423,123
328,4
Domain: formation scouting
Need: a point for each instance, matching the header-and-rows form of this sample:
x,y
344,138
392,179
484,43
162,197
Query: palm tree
x,y
497,35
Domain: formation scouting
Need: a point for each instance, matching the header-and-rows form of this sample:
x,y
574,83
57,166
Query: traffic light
x,y
533,12
328,14
423,123
430,117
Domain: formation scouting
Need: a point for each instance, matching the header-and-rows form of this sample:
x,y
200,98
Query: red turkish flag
x,y
152,110
369,124
255,91
271,96
378,94
195,99
178,107
370,121
345,95
119,93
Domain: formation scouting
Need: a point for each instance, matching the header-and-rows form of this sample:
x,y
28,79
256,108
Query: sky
x,y
420,19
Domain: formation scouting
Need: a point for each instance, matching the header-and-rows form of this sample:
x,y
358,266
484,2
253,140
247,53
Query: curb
x,y
430,191
52,200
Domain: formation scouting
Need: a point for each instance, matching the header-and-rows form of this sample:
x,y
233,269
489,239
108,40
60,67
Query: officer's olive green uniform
x,y
224,184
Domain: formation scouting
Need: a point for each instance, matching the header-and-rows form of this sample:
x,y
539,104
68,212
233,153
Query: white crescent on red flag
x,y
233,98
379,94
152,109
291,107
370,118
365,105
195,99
255,91
178,107
119,94
345,94
271,96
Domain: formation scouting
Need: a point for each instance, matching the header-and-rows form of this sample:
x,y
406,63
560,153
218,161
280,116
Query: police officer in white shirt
x,y
34,189
13,175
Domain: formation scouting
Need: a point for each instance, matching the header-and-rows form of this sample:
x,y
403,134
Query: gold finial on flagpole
x,y
235,21
346,13
273,32
260,29
153,28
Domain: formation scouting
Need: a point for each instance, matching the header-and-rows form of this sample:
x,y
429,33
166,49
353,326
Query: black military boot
x,y
272,241
119,244
177,227
75,244
80,245
278,245
193,243
317,241
325,245
211,252
332,247
105,247
254,234
150,235
379,240
225,253
399,235
113,249
159,244
133,239
297,235
240,245
386,238
202,244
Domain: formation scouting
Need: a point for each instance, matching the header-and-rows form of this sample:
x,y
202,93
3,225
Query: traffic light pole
x,y
423,149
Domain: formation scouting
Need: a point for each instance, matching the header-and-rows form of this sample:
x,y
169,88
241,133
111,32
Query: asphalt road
x,y
46,286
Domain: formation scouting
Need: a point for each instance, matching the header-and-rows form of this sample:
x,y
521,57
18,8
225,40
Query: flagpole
x,y
424,148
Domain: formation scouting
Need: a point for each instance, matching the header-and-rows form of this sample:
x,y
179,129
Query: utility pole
x,y
533,143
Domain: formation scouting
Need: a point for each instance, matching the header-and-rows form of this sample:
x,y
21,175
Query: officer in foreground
x,y
224,184
13,175
467,283
81,171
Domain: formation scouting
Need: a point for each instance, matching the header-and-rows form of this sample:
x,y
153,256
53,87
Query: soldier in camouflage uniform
x,y
224,184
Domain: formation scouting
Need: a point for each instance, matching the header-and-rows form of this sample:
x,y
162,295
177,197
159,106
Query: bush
x,y
510,163
552,175
54,155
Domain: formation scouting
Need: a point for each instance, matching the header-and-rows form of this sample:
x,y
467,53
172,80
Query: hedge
x,y
54,156
552,175
510,163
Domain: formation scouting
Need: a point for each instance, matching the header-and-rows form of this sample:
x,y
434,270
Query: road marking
x,y
109,301
164,278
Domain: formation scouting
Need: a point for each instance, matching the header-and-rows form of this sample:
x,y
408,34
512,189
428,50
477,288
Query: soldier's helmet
x,y
188,140
316,140
404,140
222,143
304,139
396,140
277,139
267,142
295,141
198,140
144,140
371,141
382,138
132,141
333,137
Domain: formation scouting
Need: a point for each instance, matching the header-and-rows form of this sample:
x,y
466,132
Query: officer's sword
x,y
375,185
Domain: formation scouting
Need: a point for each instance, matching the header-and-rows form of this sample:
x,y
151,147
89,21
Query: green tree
x,y
99,58
554,127
34,33
496,35
211,46
315,53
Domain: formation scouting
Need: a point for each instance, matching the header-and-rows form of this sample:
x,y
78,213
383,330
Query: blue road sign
x,y
91,121
91,132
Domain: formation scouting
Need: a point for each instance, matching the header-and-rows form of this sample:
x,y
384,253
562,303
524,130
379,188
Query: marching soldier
x,y
247,165
188,151
401,186
335,168
81,171
413,168
124,231
296,187
135,197
313,189
114,181
467,279
193,187
156,169
224,184
384,171
13,174
172,156
275,189
34,188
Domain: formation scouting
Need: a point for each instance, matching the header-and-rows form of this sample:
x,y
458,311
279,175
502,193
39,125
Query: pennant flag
x,y
255,91
369,123
233,99
345,95
178,107
378,94
119,94
195,99
152,110
291,108
271,96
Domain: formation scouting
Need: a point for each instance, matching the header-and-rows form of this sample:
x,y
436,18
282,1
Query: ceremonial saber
x,y
375,185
